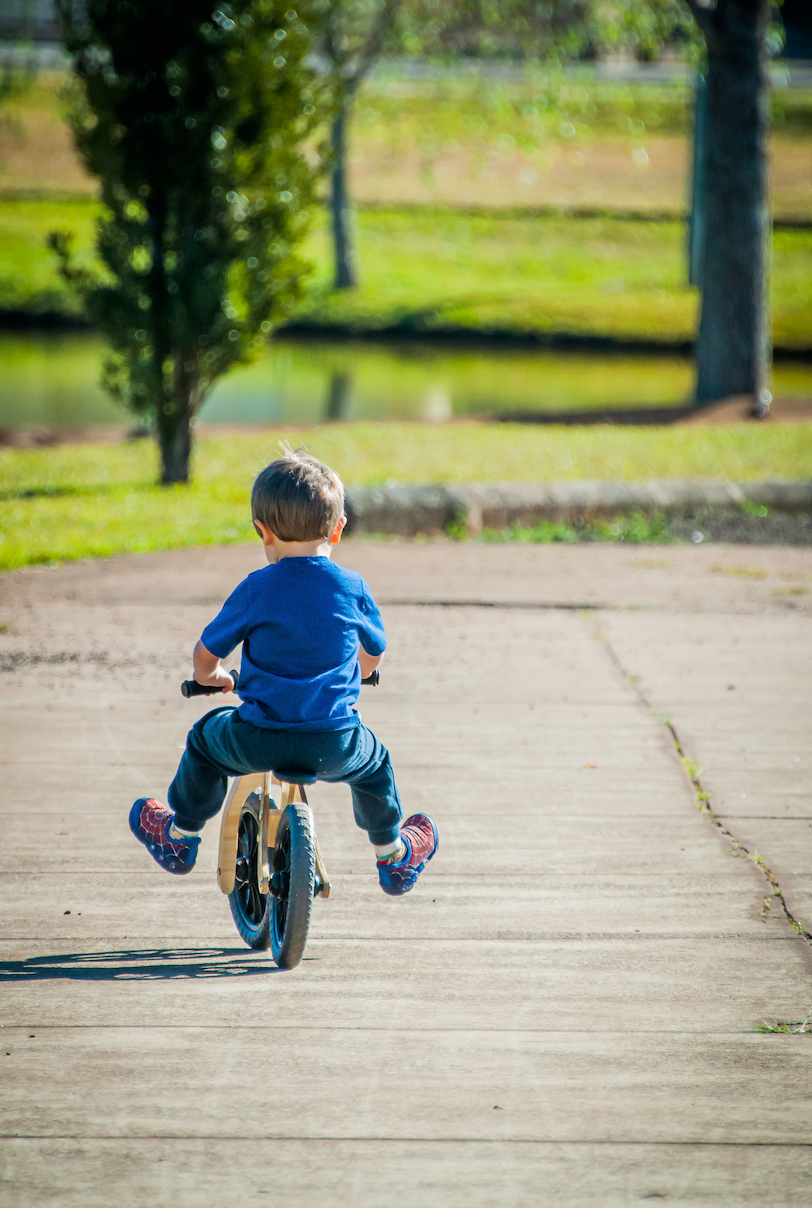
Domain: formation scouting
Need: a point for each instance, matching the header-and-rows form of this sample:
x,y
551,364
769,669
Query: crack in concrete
x,y
693,772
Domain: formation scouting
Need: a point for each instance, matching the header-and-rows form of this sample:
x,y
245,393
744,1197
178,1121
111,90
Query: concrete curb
x,y
408,510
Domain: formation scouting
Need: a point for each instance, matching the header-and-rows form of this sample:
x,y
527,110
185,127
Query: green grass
x,y
424,269
28,277
75,501
529,111
599,276
532,110
635,529
428,269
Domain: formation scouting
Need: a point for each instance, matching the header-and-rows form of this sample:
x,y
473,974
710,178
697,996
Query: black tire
x,y
250,908
293,879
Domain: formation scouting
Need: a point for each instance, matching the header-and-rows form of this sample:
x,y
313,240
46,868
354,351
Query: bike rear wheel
x,y
293,877
250,909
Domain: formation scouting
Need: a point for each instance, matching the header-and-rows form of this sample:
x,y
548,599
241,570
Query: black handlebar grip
x,y
373,680
193,688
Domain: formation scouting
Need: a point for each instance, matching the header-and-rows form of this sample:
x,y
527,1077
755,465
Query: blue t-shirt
x,y
300,621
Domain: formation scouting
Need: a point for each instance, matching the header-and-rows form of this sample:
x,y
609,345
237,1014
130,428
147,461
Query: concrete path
x,y
563,1013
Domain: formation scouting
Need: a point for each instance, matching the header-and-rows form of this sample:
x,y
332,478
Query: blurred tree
x,y
19,60
357,30
796,17
527,29
733,343
484,29
354,32
194,122
728,40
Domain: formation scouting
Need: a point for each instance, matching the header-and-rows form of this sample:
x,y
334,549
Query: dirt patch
x,y
739,410
13,660
738,528
736,410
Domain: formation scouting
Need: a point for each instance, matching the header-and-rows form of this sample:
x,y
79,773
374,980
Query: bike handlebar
x,y
193,688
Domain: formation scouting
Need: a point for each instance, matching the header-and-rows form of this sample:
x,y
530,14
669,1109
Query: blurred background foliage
x,y
548,32
538,190
482,203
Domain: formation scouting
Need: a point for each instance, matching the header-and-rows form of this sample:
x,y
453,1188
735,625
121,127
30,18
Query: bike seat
x,y
289,776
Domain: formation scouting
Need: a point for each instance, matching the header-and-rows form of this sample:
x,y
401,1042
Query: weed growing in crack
x,y
784,1025
693,769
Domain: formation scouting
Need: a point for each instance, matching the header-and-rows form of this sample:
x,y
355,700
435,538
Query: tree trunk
x,y
346,275
175,420
175,440
733,342
172,413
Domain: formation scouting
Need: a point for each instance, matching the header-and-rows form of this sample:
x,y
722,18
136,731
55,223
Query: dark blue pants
x,y
221,744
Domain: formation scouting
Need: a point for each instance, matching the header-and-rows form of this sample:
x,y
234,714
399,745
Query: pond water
x,y
52,381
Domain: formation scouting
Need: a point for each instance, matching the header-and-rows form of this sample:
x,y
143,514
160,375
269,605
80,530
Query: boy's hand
x,y
209,672
219,679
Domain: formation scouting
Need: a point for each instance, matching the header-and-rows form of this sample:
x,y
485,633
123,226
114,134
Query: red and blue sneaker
x,y
149,822
421,838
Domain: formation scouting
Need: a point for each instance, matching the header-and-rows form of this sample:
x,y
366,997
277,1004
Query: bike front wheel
x,y
293,878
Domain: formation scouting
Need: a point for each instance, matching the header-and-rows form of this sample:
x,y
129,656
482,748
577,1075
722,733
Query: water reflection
x,y
52,380
338,396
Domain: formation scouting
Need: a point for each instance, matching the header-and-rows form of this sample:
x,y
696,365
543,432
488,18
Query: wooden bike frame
x,y
240,790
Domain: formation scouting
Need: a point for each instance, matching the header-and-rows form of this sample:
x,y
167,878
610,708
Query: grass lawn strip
x,y
421,271
74,501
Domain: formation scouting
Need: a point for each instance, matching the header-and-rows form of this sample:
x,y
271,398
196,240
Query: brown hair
x,y
298,497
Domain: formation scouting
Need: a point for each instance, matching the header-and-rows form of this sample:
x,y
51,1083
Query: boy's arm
x,y
368,662
209,672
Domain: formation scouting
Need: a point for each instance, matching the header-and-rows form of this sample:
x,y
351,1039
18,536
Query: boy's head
x,y
298,498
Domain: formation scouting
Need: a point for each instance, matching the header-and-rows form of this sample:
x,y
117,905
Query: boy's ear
x,y
338,530
263,531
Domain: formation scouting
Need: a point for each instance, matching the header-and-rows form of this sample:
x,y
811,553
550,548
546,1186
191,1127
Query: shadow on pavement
x,y
144,964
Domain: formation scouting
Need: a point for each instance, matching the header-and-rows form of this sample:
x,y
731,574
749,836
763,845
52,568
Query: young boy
x,y
310,632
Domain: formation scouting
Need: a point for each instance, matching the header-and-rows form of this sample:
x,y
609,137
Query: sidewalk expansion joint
x,y
702,797
406,1139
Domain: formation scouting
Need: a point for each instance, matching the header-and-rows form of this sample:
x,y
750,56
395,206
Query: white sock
x,y
187,834
390,849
